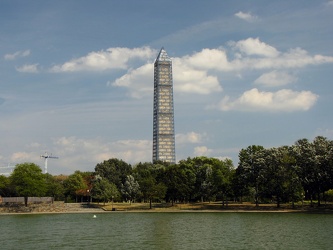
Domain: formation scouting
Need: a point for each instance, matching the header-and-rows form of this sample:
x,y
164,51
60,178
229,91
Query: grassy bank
x,y
61,207
215,206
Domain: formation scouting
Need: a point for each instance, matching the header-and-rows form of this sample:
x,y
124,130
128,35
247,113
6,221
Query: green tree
x,y
179,181
240,187
315,162
151,189
130,189
28,180
187,177
74,185
204,177
88,178
104,190
305,157
250,167
222,178
148,176
54,187
5,186
201,167
323,150
114,170
280,175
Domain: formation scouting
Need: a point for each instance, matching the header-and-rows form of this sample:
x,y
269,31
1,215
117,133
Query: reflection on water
x,y
118,230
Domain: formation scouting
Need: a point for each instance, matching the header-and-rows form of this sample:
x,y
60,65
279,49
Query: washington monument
x,y
163,121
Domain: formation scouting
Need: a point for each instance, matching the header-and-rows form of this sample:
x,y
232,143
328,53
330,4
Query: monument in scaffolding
x,y
163,121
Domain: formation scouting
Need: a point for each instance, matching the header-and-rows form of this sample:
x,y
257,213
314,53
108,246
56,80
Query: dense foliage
x,y
28,180
275,175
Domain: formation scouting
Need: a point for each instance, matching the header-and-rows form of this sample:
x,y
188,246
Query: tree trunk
x,y
318,198
257,200
150,206
256,195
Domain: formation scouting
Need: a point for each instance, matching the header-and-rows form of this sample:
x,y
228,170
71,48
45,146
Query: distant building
x,y
163,122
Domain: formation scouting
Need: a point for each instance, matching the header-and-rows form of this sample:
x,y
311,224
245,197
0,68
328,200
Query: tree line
x,y
286,174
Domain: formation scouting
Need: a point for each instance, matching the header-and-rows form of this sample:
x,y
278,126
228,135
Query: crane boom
x,y
46,156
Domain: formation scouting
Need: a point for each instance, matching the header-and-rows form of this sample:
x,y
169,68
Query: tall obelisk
x,y
163,122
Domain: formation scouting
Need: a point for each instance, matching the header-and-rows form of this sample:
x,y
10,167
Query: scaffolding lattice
x,y
163,121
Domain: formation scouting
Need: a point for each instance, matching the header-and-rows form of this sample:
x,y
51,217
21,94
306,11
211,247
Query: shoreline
x,y
155,211
75,208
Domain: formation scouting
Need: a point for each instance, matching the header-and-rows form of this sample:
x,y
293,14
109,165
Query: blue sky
x,y
76,77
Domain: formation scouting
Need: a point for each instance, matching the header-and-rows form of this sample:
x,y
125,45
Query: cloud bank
x,y
282,100
199,73
112,58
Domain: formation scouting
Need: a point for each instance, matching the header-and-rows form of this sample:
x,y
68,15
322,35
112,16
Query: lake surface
x,y
118,230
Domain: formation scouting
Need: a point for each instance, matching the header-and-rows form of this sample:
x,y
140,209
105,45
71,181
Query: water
x,y
119,230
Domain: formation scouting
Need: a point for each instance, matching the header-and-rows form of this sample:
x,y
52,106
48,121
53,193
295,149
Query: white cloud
x,y
112,58
28,68
72,150
187,79
17,54
207,59
250,53
282,100
246,16
25,156
78,153
217,153
197,73
191,80
247,54
202,151
190,137
133,151
253,46
275,78
138,81
295,58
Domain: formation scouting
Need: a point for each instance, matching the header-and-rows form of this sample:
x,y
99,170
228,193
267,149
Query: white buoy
x,y
94,216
